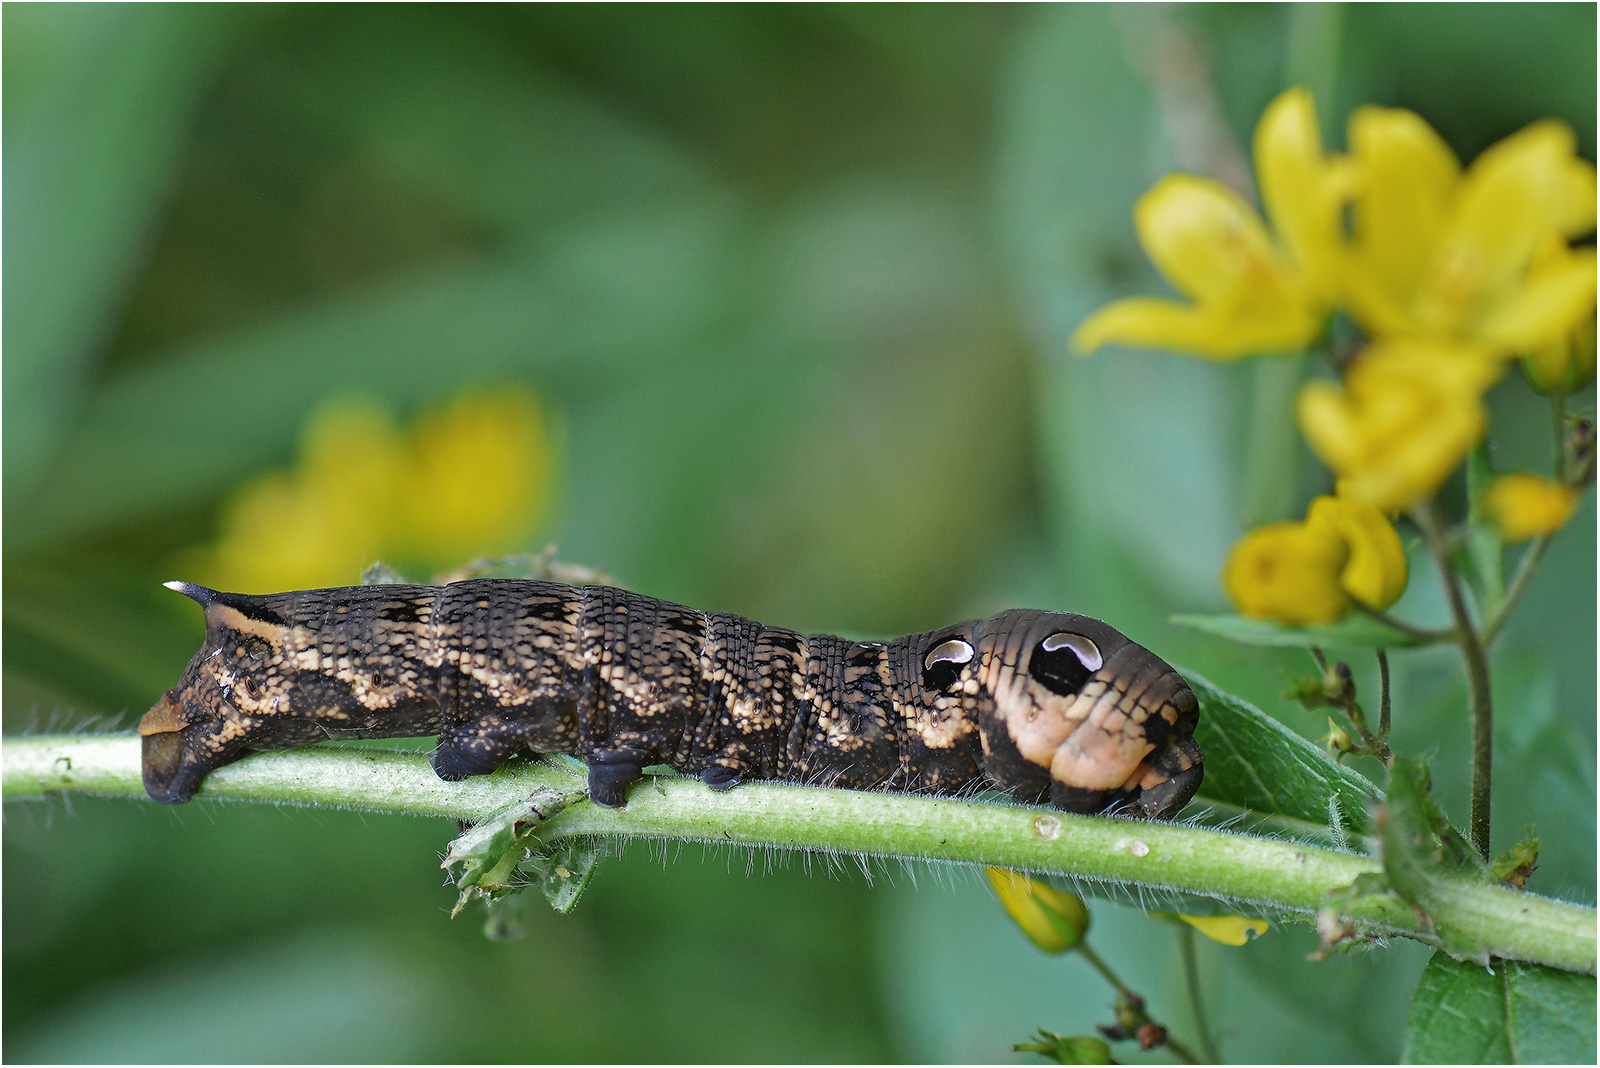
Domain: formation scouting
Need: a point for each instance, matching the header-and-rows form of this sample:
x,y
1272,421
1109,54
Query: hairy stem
x,y
1474,652
1383,696
1131,1010
1287,875
1191,978
1526,567
1424,635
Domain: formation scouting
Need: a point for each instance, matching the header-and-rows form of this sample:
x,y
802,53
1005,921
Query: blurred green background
x,y
795,282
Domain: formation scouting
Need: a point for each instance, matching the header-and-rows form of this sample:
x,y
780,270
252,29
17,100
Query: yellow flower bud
x,y
1229,930
1288,572
1526,506
1565,365
1053,920
1375,574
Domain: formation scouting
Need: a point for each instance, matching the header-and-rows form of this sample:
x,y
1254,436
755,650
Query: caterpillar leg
x,y
720,778
476,748
611,772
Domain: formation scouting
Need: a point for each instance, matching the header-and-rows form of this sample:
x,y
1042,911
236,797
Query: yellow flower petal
x,y
1546,308
1375,573
1229,930
1407,177
1288,572
1526,506
1151,323
1407,414
1514,194
1053,920
1213,248
1304,191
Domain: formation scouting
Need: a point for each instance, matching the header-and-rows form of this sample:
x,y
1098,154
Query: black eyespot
x,y
941,668
1062,663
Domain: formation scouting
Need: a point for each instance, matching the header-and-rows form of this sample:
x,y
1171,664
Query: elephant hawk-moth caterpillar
x,y
1039,704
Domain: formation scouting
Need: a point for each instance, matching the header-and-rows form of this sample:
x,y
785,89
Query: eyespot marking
x,y
942,666
1063,662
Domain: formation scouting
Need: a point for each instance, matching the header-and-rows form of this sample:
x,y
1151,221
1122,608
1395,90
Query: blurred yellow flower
x,y
1375,573
1288,572
1526,506
467,480
1248,293
479,472
1053,920
1229,930
1447,254
1308,572
1407,414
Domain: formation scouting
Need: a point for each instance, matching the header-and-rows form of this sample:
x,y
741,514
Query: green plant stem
x,y
1475,654
1132,1001
1383,696
1425,635
1527,566
1288,875
1191,975
1084,950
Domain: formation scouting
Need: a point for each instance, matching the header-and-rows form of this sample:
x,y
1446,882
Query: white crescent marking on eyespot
x,y
954,651
1084,649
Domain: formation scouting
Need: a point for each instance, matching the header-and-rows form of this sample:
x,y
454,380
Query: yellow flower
x,y
1053,920
1229,930
1288,572
479,472
466,481
321,524
1447,254
1526,506
1248,294
1375,572
1308,572
1408,412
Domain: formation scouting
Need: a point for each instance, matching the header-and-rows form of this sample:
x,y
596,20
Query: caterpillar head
x,y
234,696
1078,712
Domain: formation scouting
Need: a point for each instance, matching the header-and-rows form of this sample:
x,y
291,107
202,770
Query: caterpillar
x,y
1038,704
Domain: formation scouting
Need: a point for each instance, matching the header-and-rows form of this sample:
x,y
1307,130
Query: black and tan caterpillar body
x,y
1041,704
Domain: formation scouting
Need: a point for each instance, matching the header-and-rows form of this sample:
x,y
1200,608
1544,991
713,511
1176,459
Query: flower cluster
x,y
1450,271
466,480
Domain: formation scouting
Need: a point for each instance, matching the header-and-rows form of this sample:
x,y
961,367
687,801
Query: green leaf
x,y
1257,763
1356,629
97,98
492,853
1067,1049
1517,1013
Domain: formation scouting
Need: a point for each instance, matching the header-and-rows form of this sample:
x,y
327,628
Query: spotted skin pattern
x,y
1044,705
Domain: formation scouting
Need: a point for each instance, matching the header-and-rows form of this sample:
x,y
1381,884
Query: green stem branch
x,y
1246,870
1191,977
1474,652
1526,567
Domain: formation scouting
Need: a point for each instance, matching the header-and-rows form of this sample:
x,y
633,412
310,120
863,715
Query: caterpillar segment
x,y
1043,705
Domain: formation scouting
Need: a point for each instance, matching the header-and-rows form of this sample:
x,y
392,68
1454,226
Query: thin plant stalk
x,y
1475,654
1191,975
